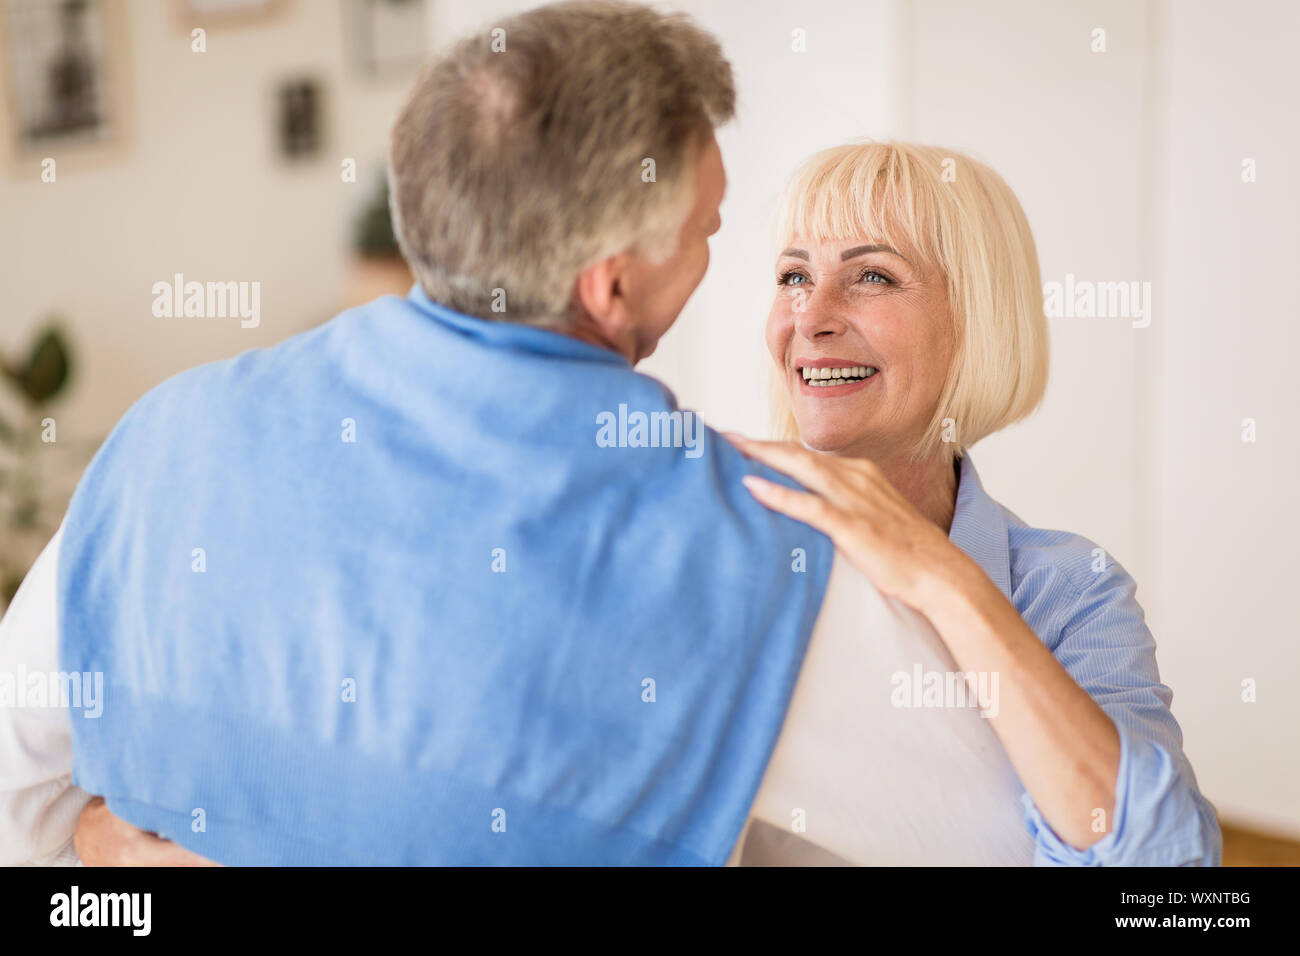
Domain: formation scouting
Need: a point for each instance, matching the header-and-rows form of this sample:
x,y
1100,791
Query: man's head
x,y
566,158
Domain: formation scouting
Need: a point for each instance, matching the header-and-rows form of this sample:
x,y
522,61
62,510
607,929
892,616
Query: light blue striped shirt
x,y
1092,623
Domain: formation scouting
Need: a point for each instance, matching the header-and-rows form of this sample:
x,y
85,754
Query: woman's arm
x,y
1094,758
1161,818
1065,749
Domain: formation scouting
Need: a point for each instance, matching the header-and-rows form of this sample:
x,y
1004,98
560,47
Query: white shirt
x,y
853,779
39,805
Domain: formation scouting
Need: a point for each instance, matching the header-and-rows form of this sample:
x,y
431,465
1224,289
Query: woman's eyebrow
x,y
847,254
856,251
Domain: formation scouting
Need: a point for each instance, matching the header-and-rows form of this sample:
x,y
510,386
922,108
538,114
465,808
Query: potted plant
x,y
29,513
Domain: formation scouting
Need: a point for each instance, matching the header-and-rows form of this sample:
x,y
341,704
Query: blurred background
x,y
1150,142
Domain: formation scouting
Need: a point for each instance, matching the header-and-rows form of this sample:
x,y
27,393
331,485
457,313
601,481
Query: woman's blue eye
x,y
873,276
785,277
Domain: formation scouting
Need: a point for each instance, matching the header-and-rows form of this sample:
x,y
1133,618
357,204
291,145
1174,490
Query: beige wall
x,y
201,192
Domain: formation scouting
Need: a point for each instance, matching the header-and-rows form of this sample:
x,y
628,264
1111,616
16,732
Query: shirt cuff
x,y
1158,818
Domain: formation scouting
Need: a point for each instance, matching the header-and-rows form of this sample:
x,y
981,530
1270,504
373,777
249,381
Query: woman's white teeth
x,y
837,376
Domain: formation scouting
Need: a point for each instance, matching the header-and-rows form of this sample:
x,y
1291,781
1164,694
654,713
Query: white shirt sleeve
x,y
39,804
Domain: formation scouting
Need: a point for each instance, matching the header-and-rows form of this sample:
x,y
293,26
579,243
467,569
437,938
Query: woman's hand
x,y
103,839
853,503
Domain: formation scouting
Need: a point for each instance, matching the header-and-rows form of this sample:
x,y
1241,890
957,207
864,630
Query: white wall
x,y
1015,84
1127,163
1223,512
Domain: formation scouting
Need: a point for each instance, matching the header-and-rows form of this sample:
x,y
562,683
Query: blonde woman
x,y
907,325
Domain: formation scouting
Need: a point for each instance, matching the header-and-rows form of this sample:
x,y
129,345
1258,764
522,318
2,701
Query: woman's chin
x,y
829,441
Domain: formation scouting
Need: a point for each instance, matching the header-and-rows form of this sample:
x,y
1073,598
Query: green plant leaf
x,y
373,232
47,369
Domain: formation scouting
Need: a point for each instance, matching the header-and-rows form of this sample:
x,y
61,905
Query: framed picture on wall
x,y
63,85
299,118
225,13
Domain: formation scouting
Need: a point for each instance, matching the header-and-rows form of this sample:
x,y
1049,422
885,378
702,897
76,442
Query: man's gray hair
x,y
520,157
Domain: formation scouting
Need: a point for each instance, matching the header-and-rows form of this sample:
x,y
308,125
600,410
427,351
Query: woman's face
x,y
859,306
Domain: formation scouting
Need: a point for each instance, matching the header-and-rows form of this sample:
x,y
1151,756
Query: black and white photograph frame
x,y
63,89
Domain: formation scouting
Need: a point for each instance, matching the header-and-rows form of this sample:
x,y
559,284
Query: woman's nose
x,y
816,321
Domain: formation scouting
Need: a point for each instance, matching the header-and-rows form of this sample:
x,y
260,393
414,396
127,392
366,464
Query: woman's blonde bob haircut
x,y
956,215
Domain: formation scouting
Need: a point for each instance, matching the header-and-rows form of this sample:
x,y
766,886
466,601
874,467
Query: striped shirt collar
x,y
979,528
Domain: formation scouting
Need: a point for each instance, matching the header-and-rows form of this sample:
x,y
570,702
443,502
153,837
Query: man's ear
x,y
599,290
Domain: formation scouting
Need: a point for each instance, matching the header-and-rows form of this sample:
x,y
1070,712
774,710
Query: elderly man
x,y
395,592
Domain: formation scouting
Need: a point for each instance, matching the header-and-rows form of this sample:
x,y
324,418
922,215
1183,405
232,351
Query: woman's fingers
x,y
789,457
801,505
104,839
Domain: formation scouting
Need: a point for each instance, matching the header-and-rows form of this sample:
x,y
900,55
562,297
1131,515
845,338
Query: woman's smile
x,y
833,377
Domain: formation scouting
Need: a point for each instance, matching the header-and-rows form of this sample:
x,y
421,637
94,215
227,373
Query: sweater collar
x,y
512,335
